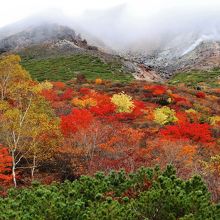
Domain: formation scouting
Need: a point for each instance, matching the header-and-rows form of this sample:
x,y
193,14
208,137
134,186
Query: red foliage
x,y
61,108
128,163
5,166
159,90
137,111
119,150
78,119
124,116
185,104
156,89
67,95
178,98
103,110
84,91
101,99
107,110
50,95
188,131
139,106
182,117
200,95
59,85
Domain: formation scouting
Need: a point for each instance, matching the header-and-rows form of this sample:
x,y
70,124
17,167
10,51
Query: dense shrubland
x,y
145,194
66,67
198,78
56,131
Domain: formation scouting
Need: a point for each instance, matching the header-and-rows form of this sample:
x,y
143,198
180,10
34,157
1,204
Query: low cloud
x,y
128,24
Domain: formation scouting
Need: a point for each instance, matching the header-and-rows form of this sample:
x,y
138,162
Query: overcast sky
x,y
119,23
14,10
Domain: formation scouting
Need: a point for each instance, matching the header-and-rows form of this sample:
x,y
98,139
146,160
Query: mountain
x,y
56,52
144,50
181,54
205,56
53,35
180,40
51,17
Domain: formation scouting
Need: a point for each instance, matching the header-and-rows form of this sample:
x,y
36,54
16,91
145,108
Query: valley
x,y
90,131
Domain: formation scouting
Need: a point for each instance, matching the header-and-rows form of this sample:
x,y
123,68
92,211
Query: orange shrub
x,y
98,81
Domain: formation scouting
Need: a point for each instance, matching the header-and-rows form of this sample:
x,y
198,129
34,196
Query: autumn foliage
x,y
156,89
77,119
200,95
5,166
64,130
200,133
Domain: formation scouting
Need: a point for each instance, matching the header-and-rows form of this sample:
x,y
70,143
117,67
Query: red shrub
x,y
200,95
159,90
188,131
139,106
84,91
59,85
103,110
156,89
78,119
119,149
178,98
67,95
182,117
5,166
50,95
61,108
101,99
124,116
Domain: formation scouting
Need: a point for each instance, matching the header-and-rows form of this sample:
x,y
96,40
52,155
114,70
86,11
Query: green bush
x,y
67,67
196,77
145,194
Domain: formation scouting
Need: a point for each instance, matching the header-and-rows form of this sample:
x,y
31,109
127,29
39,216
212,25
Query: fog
x,y
122,23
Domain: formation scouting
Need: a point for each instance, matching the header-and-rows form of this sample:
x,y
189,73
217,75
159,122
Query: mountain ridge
x,y
162,61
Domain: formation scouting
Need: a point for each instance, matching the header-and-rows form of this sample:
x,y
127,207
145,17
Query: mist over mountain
x,y
49,17
167,38
130,26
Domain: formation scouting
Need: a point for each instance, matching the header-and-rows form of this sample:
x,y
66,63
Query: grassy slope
x,y
196,77
65,68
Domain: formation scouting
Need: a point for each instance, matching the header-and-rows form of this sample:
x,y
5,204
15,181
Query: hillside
x,y
110,110
45,34
55,52
180,55
64,68
62,133
198,78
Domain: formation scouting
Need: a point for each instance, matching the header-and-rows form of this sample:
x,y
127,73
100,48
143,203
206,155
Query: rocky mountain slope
x,y
51,40
195,53
57,36
182,52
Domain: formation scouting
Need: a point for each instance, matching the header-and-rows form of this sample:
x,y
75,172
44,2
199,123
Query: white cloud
x,y
13,10
135,21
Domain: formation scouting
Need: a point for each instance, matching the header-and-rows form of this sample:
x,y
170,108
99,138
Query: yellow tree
x,y
28,128
10,71
27,124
